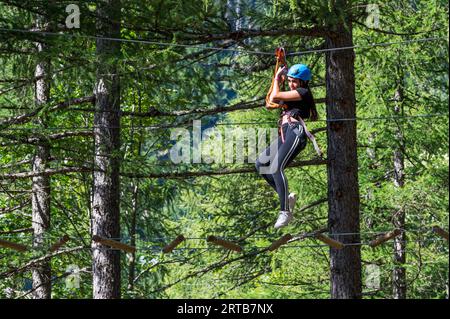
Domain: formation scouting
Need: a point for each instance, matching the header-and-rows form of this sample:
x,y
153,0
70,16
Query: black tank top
x,y
303,107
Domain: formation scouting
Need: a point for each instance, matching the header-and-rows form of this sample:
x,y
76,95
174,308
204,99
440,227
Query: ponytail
x,y
312,107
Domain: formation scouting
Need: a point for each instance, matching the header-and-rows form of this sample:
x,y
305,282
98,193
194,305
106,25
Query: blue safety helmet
x,y
299,71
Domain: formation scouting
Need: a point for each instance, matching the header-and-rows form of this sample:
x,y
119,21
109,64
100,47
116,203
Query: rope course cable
x,y
165,127
250,250
259,249
141,41
160,239
422,230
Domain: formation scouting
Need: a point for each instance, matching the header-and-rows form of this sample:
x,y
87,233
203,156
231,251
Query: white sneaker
x,y
283,219
292,199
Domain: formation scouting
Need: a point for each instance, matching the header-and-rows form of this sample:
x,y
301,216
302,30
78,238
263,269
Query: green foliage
x,y
238,207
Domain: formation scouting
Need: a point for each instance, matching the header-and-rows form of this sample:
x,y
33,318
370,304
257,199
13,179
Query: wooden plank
x,y
114,243
385,237
441,232
282,241
168,248
62,241
330,242
11,245
224,243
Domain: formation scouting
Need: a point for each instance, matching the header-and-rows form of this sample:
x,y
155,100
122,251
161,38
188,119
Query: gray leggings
x,y
271,165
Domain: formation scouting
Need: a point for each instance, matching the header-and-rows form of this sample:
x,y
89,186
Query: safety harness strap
x,y
308,133
280,54
311,137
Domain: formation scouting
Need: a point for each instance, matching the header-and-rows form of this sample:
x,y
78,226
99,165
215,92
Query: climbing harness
x,y
280,54
296,130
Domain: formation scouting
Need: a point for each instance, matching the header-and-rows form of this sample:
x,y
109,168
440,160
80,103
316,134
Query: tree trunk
x,y
343,192
40,201
40,204
399,272
233,15
106,198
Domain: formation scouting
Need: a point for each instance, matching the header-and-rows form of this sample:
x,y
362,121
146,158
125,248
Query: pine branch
x,y
15,164
211,267
24,118
219,109
11,209
37,140
251,33
153,112
394,32
22,6
204,111
247,280
81,169
37,78
47,172
245,170
16,231
51,280
33,262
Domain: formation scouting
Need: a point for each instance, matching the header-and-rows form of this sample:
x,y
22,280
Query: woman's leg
x,y
264,161
286,153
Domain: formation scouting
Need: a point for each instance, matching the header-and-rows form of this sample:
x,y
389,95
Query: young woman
x,y
298,105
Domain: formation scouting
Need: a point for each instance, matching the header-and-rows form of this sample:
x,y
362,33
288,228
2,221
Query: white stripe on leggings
x,y
294,145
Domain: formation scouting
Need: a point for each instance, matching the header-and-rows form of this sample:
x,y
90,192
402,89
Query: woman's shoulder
x,y
303,91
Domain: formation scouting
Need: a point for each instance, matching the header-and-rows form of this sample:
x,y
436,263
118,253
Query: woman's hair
x,y
312,108
304,84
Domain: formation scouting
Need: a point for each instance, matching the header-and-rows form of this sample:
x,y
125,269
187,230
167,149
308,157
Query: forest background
x,y
179,61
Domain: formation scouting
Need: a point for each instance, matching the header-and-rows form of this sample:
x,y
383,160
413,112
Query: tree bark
x,y
399,272
40,198
343,191
40,204
233,15
106,197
